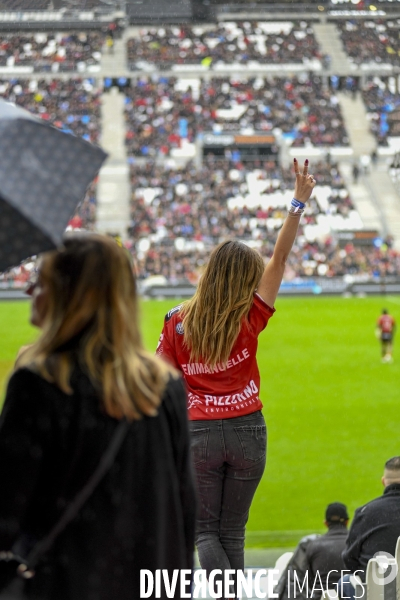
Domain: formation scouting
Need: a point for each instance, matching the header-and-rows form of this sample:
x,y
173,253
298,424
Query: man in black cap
x,y
375,527
317,563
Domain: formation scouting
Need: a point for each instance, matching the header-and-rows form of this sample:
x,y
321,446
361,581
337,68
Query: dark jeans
x,y
229,458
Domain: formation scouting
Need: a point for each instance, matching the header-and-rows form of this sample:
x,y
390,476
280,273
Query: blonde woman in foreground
x,y
87,372
212,340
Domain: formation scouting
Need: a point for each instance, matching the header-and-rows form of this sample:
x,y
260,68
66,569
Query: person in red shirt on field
x,y
385,329
212,340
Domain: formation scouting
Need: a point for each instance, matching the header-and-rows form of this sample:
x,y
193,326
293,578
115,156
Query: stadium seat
x,y
282,562
397,558
378,582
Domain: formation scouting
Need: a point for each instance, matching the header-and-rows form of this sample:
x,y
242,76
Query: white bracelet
x,y
295,213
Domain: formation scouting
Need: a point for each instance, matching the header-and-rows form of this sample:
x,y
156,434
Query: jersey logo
x,y
179,328
172,312
193,400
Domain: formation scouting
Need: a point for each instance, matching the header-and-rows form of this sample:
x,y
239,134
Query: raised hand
x,y
305,182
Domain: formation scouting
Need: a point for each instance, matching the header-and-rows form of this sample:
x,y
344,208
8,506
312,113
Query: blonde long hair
x,y
212,318
91,317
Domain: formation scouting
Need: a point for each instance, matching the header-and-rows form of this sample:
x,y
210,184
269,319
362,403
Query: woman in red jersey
x,y
212,340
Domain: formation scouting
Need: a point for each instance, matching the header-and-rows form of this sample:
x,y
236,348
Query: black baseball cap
x,y
336,513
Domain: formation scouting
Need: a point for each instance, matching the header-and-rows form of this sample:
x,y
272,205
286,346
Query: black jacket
x,y
376,526
290,584
325,554
141,516
313,558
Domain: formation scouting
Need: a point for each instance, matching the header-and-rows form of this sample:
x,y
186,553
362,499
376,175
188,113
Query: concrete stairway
x,y
132,32
362,142
113,62
360,194
113,193
328,37
375,195
357,124
376,199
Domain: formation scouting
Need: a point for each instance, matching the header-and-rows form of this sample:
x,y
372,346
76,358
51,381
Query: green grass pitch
x,y
332,408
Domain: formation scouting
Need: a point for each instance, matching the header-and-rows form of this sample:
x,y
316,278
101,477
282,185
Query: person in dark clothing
x,y
317,562
324,554
356,172
86,372
375,527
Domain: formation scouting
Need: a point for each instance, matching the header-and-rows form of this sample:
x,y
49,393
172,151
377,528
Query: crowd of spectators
x,y
383,107
371,41
308,259
72,105
328,259
178,215
224,43
160,112
195,203
52,52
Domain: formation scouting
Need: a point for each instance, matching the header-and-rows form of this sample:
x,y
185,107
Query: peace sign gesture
x,y
272,277
305,182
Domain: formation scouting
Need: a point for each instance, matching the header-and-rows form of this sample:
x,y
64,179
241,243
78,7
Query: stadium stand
x,y
226,43
164,116
52,52
371,41
72,105
383,108
161,111
178,215
307,260
179,211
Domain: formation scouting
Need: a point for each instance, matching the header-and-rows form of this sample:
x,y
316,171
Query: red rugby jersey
x,y
386,323
224,391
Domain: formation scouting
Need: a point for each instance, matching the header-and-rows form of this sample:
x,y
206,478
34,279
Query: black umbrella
x,y
44,174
